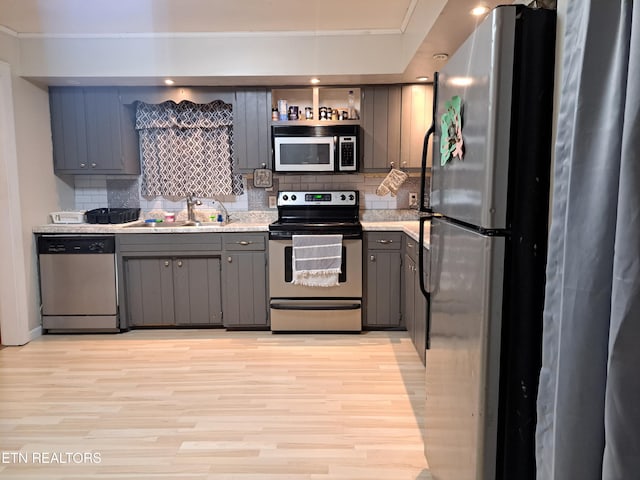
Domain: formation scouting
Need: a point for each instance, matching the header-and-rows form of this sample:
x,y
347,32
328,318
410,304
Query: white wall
x,y
210,55
28,192
41,192
228,54
13,287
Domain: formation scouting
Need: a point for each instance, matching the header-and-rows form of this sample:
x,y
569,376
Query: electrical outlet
x,y
272,201
413,199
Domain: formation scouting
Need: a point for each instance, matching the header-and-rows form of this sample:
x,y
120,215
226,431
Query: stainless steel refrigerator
x,y
489,198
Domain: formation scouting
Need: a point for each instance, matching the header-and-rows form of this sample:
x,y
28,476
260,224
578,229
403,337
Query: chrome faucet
x,y
225,213
191,202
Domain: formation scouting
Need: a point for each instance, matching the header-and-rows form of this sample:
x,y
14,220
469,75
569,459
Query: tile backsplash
x,y
98,191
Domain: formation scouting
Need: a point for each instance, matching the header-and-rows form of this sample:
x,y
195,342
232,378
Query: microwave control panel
x,y
347,151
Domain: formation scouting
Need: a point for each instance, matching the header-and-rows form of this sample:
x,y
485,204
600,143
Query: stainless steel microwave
x,y
319,148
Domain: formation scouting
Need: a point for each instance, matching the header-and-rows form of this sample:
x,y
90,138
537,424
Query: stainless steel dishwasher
x,y
78,283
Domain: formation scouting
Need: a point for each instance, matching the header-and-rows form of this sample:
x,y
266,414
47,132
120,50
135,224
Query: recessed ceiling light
x,y
422,79
440,56
315,80
168,81
479,10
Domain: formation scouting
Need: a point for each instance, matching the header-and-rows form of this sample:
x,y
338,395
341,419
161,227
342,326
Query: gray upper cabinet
x,y
395,120
251,135
417,115
383,279
92,132
381,116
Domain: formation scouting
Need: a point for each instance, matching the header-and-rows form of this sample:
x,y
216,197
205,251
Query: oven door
x,y
301,308
304,154
280,273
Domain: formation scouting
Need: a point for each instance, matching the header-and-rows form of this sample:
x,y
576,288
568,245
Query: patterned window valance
x,y
187,148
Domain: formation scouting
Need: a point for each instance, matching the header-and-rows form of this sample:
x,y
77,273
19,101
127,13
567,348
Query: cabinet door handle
x,y
166,263
94,165
244,242
180,263
372,258
82,165
385,242
410,245
229,259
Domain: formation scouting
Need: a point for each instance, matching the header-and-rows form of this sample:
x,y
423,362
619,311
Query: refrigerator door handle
x,y
425,145
423,173
421,270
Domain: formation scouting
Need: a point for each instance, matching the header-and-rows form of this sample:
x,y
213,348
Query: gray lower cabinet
x,y
193,279
383,263
173,291
244,270
414,302
92,132
169,279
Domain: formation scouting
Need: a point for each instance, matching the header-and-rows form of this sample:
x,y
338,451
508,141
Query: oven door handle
x,y
284,306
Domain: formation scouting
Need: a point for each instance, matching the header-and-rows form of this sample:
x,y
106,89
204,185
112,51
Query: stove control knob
x,y
343,197
351,197
285,197
294,198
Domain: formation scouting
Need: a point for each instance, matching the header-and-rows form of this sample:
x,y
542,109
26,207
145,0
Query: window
x,y
187,148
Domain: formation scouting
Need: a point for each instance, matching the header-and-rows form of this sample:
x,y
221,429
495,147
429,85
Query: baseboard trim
x,y
35,333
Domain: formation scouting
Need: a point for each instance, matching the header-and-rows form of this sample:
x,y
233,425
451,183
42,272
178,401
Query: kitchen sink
x,y
181,224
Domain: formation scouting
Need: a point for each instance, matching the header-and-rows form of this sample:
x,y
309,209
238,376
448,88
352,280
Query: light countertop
x,y
141,227
410,227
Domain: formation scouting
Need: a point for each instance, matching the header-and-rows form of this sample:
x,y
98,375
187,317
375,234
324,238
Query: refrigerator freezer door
x,y
462,364
474,189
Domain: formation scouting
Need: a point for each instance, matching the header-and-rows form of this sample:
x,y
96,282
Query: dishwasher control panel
x,y
76,244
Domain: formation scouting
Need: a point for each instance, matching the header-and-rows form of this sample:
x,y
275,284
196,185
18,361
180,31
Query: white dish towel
x,y
317,260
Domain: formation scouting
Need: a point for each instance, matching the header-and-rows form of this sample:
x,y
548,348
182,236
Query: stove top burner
x,y
320,224
288,229
316,213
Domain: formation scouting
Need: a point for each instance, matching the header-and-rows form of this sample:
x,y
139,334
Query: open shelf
x,y
335,98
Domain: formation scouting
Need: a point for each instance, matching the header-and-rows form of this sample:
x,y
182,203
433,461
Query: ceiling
x,y
450,22
148,16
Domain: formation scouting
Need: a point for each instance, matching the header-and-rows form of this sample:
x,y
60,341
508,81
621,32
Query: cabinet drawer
x,y
245,242
411,247
174,243
384,240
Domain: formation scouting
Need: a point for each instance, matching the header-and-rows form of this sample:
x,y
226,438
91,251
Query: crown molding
x,y
8,31
170,35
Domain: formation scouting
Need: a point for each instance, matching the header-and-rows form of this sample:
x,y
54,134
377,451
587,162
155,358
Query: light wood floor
x,y
212,404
